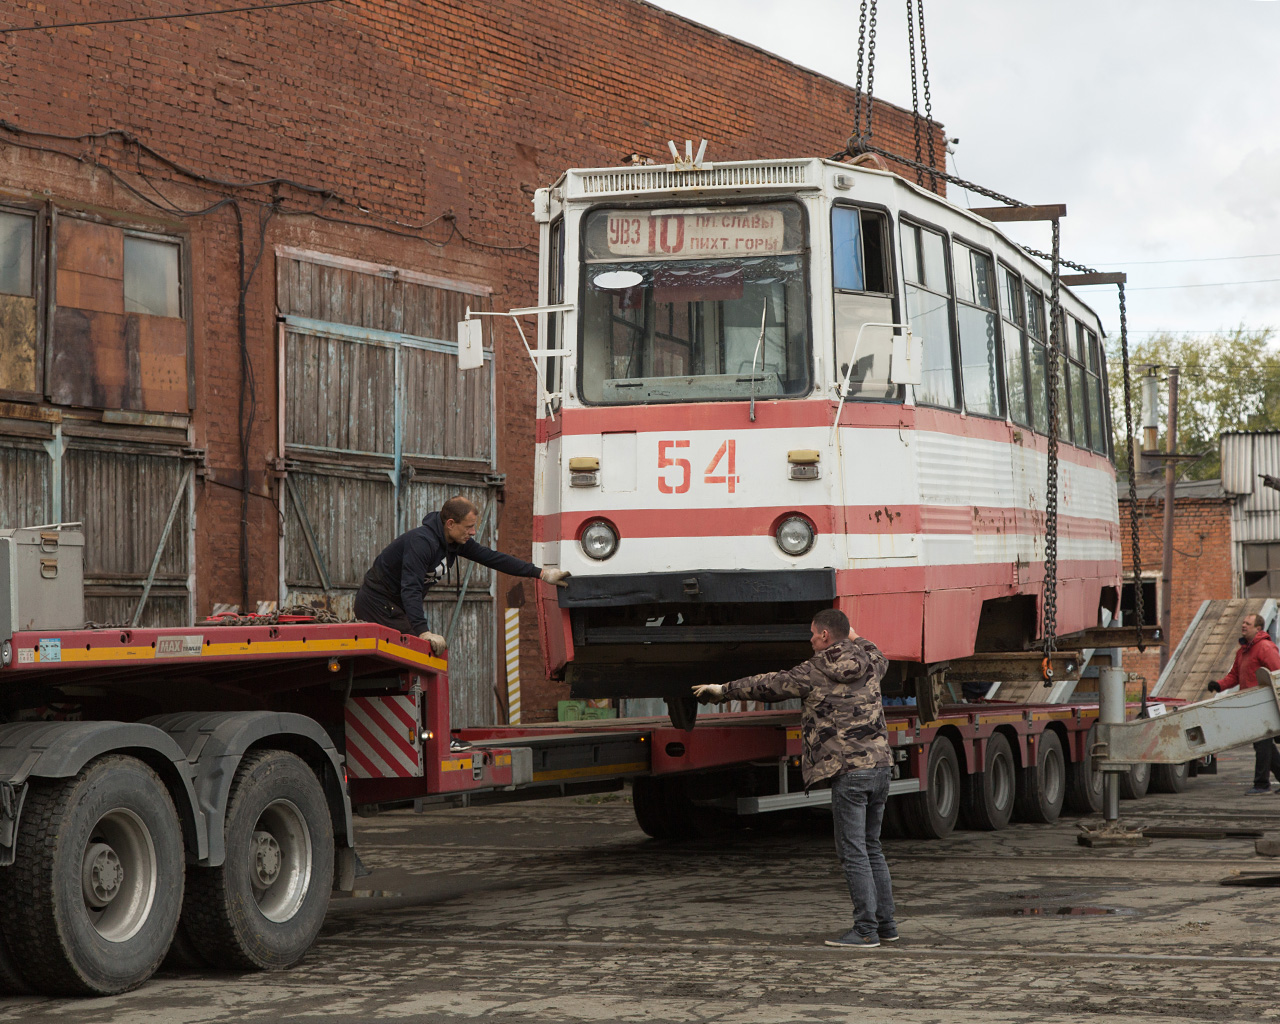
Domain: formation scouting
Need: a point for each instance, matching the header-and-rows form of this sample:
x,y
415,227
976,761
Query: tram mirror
x,y
470,345
907,365
617,280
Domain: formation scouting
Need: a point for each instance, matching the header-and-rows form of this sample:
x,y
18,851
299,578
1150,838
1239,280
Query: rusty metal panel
x,y
123,497
19,359
339,394
352,518
26,484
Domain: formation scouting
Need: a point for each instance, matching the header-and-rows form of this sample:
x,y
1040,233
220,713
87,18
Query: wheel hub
x,y
266,859
102,875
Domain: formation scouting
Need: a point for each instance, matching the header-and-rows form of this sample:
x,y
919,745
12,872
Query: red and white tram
x,y
713,470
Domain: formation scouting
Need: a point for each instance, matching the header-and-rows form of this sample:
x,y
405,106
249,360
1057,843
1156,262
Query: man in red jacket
x,y
1257,650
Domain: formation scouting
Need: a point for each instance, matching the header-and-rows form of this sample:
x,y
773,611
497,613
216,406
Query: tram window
x,y
1072,375
979,344
1015,351
858,250
924,262
861,287
667,318
1093,384
555,295
1038,361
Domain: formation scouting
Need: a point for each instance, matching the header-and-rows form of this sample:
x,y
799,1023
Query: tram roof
x,y
751,177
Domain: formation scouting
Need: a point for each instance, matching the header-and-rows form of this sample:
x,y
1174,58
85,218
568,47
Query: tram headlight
x,y
795,536
599,540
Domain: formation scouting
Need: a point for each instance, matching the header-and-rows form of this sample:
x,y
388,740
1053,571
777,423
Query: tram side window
x,y
1015,351
1038,360
1073,383
924,266
979,345
859,256
1097,416
555,295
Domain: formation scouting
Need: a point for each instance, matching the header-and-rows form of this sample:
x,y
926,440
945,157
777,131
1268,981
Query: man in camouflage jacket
x,y
845,740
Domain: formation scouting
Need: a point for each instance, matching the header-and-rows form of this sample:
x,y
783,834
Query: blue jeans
x,y
857,803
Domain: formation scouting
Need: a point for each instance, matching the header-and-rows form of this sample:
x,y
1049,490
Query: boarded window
x,y
118,339
19,356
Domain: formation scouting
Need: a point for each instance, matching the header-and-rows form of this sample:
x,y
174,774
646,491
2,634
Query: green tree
x,y
1227,381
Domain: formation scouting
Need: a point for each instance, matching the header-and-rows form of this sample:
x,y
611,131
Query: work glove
x,y
556,577
435,639
1213,686
709,693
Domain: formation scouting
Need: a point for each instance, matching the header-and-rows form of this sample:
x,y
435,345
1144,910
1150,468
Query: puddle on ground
x,y
366,894
1062,911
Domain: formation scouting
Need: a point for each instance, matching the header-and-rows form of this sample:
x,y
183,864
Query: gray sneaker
x,y
889,933
852,940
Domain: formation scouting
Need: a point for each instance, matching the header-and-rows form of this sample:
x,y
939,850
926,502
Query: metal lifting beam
x,y
1195,730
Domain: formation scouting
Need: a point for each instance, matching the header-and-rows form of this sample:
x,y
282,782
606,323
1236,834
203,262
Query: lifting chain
x,y
1135,548
928,100
273,618
915,91
914,13
1050,585
861,137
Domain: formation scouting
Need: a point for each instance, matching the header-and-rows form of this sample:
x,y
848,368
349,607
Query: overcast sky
x,y
1156,121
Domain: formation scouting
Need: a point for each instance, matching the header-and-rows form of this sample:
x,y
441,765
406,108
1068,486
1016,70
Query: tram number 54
x,y
678,483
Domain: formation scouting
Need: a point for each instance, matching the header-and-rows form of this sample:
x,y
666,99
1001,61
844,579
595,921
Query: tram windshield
x,y
694,304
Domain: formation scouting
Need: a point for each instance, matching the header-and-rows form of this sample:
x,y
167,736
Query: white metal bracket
x,y
471,345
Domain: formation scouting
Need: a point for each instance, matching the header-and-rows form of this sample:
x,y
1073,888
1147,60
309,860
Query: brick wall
x,y
1201,563
426,125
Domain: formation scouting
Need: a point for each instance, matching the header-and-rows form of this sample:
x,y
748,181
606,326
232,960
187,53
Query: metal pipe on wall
x,y
1170,479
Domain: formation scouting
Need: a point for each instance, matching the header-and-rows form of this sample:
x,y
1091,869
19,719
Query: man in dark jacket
x,y
1257,650
845,740
391,593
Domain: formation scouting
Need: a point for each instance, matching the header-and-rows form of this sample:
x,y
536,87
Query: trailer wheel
x,y
263,907
1135,782
932,814
1170,778
989,794
94,892
1042,786
1084,785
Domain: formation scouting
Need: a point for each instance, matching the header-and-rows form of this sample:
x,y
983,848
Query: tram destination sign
x,y
757,230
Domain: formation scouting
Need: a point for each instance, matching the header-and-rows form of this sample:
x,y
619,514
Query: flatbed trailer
x,y
189,791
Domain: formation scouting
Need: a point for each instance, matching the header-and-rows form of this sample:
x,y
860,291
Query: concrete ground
x,y
563,911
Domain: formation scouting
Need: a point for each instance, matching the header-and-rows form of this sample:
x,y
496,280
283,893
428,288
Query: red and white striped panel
x,y
384,737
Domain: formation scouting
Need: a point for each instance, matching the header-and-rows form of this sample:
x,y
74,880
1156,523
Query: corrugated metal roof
x,y
1245,457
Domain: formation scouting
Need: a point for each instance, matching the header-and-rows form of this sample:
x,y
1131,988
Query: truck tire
x,y
1135,782
648,800
1084,785
94,892
1042,785
932,814
988,795
263,906
1170,778
12,983
183,955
